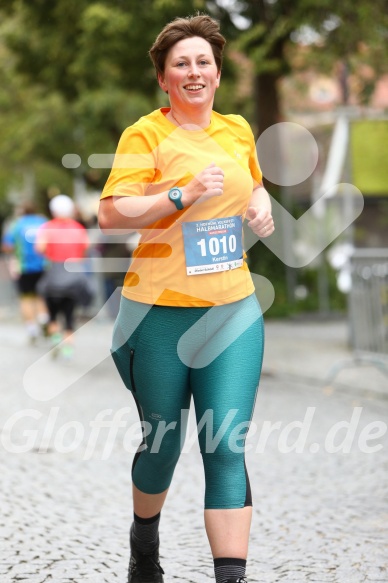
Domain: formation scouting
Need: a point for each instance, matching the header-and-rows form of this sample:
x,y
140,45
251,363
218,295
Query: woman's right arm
x,y
133,212
137,212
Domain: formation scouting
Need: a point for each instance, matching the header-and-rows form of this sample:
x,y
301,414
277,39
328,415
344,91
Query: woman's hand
x,y
260,221
205,185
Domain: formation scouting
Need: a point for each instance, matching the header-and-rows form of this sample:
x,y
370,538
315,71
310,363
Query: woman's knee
x,y
154,467
227,483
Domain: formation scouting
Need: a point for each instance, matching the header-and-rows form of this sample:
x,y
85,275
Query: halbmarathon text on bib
x,y
213,246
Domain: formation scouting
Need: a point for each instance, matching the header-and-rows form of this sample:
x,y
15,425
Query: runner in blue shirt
x,y
28,267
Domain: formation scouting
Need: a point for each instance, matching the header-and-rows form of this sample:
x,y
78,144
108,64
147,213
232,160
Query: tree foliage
x,y
74,73
352,31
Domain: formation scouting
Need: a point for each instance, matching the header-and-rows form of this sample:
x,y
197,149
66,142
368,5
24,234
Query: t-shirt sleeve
x,y
133,168
254,164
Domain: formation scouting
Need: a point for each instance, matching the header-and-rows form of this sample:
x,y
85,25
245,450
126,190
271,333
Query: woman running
x,y
189,324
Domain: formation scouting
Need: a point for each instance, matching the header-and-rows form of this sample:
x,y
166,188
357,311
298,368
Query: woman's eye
x,y
203,62
181,64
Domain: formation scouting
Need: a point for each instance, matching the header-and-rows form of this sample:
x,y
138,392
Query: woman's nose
x,y
193,72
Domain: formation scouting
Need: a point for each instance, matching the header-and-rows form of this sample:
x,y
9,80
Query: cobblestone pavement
x,y
319,488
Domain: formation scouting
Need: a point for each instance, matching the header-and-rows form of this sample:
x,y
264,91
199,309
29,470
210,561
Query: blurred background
x,y
75,73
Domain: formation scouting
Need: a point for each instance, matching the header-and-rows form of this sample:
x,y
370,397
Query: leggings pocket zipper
x,y
131,359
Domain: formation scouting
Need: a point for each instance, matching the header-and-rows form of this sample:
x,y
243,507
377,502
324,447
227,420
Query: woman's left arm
x,y
259,212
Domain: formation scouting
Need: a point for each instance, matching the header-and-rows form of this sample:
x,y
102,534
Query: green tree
x,y
93,54
351,31
76,73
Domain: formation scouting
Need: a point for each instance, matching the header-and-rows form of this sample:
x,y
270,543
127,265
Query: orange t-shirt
x,y
154,155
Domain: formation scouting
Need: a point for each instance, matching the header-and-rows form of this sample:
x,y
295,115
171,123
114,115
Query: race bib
x,y
213,246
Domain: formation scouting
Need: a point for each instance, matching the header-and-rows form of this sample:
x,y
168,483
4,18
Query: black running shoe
x,y
144,568
238,580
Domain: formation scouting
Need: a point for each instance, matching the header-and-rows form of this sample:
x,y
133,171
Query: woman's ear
x,y
162,83
218,79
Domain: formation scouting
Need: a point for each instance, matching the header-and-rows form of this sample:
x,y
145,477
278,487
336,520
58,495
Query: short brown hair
x,y
180,28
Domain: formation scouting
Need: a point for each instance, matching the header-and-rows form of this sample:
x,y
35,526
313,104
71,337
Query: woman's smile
x,y
194,88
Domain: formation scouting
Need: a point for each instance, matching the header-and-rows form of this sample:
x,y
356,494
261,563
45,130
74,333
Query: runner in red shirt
x,y
62,240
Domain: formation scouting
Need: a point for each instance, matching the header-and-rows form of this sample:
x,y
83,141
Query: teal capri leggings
x,y
165,355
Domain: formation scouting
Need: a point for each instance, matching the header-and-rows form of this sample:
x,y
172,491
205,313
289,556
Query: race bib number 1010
x,y
213,245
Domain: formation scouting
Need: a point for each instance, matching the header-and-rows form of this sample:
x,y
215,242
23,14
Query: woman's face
x,y
190,74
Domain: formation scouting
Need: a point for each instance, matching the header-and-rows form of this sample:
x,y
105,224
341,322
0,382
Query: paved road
x,y
317,463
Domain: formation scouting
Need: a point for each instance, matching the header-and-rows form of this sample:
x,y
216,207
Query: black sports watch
x,y
175,195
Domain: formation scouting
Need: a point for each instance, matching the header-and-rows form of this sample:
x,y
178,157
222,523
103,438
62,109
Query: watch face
x,y
175,193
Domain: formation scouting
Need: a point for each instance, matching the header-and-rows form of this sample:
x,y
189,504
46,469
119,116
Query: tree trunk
x,y
268,113
267,103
